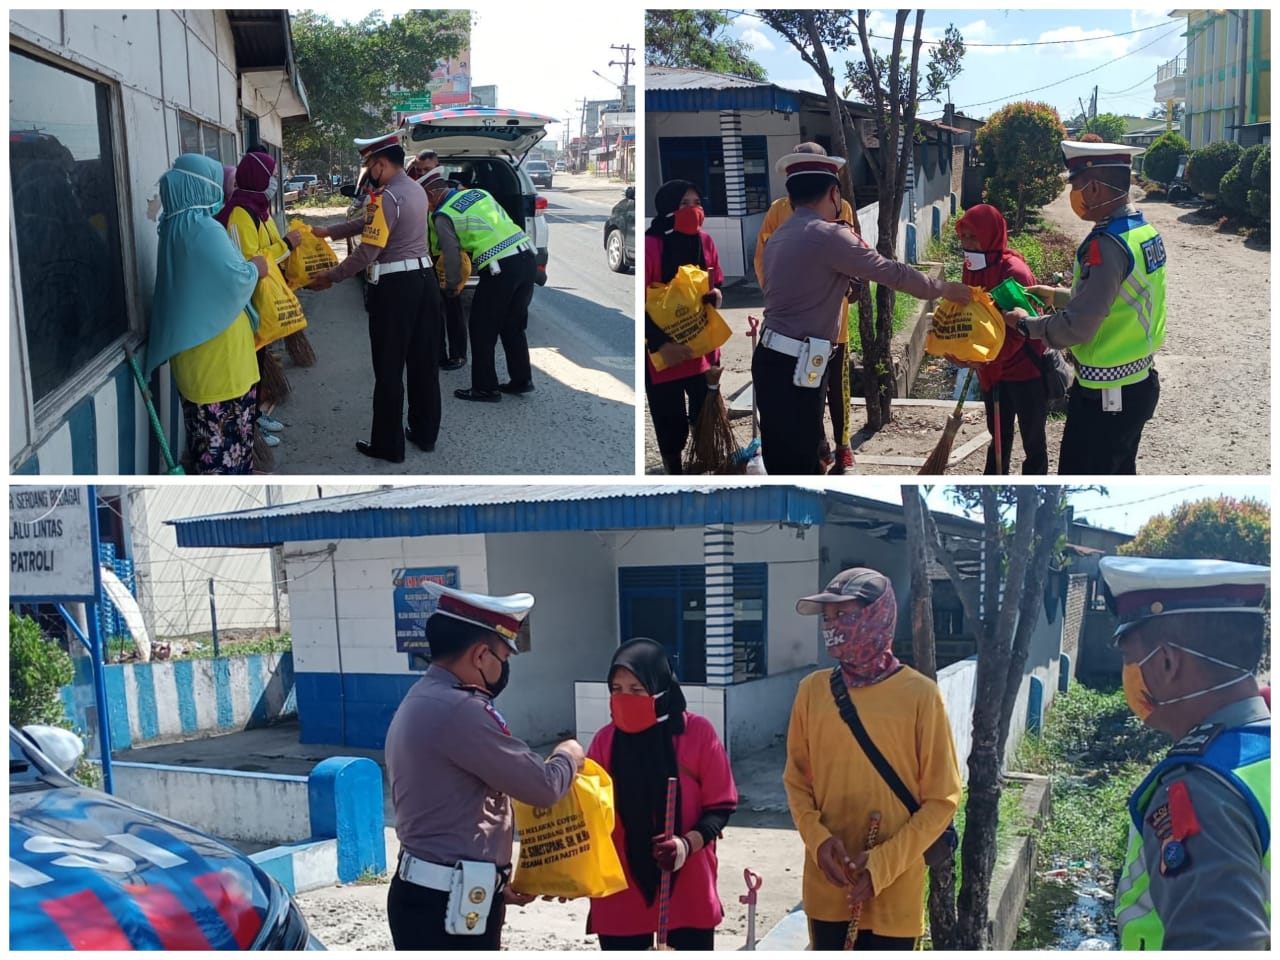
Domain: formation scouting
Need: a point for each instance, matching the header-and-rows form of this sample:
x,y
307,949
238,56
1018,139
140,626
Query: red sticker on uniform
x,y
1093,256
502,724
1182,815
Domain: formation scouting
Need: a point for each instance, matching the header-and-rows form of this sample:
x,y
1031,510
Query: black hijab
x,y
642,762
678,249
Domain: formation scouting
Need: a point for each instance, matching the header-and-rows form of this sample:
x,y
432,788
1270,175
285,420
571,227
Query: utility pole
x,y
626,63
582,135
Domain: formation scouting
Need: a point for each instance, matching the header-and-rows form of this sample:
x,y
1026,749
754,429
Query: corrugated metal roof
x,y
681,78
508,508
672,90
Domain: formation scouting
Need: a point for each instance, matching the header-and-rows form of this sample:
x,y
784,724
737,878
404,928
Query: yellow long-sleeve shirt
x,y
779,212
832,789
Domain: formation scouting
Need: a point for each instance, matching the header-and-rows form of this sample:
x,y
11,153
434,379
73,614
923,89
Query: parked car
x,y
88,871
486,147
620,233
539,172
307,184
561,166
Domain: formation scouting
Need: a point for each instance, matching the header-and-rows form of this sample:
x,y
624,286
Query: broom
x,y
300,350
664,886
936,464
713,448
264,458
273,385
749,457
873,833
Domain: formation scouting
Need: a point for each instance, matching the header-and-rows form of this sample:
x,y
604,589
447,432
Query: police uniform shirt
x,y
1217,899
817,258
402,204
453,765
1081,319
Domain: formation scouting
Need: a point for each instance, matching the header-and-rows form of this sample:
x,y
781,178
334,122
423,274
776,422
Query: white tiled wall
x,y
592,704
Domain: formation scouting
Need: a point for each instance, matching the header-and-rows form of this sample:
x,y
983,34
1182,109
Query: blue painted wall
x,y
368,700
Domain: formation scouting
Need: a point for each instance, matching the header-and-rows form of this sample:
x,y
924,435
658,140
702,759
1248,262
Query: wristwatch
x,y
1022,328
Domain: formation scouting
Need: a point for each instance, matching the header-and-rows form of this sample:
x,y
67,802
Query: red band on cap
x,y
1138,603
812,166
501,623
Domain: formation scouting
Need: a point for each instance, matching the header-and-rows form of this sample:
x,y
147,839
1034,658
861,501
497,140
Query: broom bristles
x,y
264,457
300,350
713,449
273,385
936,464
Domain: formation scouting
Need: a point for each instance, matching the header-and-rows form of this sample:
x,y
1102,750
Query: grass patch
x,y
201,647
1046,250
905,308
369,878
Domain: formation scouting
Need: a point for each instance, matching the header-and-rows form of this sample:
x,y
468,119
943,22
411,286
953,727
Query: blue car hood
x,y
87,871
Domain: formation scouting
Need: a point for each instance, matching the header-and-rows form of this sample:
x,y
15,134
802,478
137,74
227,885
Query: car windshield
x,y
537,165
24,768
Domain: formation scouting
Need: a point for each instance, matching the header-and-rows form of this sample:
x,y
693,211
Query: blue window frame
x,y
668,604
700,160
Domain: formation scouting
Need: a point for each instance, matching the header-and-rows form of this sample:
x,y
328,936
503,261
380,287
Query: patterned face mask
x,y
863,640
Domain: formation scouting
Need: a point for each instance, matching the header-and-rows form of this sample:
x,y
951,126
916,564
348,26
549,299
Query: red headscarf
x,y
252,176
992,232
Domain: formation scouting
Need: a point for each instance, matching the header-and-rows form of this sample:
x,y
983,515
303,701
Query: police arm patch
x,y
1153,254
497,718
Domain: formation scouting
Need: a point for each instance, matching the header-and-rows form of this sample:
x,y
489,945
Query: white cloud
x,y
757,40
1086,44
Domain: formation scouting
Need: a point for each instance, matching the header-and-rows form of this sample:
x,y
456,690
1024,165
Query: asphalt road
x,y
579,420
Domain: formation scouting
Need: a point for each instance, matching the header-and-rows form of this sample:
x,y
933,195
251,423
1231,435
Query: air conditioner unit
x,y
867,131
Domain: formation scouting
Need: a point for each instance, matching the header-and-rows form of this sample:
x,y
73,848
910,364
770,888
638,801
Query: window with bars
x,y
700,160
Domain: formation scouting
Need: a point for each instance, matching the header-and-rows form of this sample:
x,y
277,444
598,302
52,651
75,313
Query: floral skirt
x,y
220,435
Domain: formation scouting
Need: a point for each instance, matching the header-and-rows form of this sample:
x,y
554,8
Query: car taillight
x,y
540,204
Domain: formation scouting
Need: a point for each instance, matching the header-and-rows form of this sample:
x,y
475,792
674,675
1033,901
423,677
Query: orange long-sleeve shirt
x,y
832,789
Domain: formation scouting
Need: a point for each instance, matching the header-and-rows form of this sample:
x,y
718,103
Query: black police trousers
x,y
1026,400
790,416
500,311
830,934
453,333
404,339
1096,442
416,916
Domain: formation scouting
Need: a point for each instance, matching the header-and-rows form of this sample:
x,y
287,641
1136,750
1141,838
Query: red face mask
x,y
634,712
689,220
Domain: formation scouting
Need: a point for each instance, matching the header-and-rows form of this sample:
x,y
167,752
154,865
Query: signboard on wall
x,y
413,604
51,551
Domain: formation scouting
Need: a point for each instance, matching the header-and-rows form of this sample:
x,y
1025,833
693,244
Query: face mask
x,y
861,640
1081,209
634,712
1139,696
976,260
495,687
272,186
689,220
212,207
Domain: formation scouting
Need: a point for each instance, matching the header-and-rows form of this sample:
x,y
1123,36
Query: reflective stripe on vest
x,y
1133,330
483,227
1140,925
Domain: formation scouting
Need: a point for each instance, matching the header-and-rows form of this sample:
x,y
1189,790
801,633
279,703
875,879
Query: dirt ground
x,y
1215,403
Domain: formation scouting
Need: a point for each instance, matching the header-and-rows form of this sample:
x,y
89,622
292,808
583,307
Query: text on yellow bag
x,y
678,309
567,850
279,312
310,257
972,332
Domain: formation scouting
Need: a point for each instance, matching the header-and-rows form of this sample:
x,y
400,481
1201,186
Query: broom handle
x,y
964,392
151,409
664,888
753,331
873,833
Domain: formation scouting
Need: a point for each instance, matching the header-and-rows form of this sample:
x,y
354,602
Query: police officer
x,y
810,260
423,163
1197,871
453,765
403,302
1112,318
453,336
501,253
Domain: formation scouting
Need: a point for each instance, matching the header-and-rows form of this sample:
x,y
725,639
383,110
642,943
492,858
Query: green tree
x,y
1221,528
1109,126
1260,192
1160,162
1236,183
1161,112
1022,146
351,70
893,88
37,670
697,39
1209,164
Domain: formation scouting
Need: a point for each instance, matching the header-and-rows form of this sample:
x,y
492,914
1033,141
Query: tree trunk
x,y
923,652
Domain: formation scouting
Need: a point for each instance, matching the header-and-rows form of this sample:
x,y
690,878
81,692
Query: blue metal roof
x,y
432,510
731,98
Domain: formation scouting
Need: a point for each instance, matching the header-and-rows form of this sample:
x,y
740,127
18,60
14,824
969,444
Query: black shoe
x,y
471,393
516,387
456,363
367,449
424,447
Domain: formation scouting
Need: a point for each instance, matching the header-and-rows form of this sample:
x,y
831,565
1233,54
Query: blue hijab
x,y
202,279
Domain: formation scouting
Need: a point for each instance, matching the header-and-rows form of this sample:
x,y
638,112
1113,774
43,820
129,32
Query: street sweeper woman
x,y
652,738
676,393
199,323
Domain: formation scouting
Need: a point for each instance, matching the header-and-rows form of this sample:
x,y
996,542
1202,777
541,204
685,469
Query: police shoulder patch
x,y
497,717
1153,253
1197,740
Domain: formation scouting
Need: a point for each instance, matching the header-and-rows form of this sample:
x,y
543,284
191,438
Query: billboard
x,y
485,96
450,81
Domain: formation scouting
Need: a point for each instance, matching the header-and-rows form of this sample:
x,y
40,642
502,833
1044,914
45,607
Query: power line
x,y
1146,499
1056,83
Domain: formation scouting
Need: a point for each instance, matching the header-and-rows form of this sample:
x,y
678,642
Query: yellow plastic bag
x,y
466,270
678,309
311,256
973,332
567,850
279,312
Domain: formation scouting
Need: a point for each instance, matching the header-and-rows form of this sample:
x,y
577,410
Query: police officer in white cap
x,y
810,260
403,301
1112,317
1197,871
453,765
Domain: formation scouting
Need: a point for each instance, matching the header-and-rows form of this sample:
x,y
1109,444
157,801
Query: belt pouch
x,y
471,892
811,363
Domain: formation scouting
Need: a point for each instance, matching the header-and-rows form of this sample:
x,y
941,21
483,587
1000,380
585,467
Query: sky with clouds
x,y
1095,52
